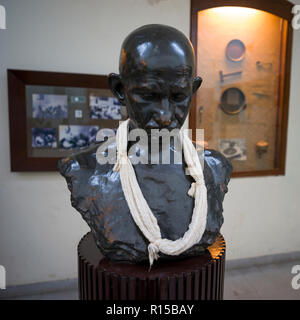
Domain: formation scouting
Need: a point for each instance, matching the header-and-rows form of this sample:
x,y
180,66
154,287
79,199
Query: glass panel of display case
x,y
239,56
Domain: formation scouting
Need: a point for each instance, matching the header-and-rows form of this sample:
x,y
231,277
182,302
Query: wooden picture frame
x,y
282,9
18,81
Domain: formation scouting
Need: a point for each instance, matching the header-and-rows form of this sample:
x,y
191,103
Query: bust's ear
x,y
116,86
196,83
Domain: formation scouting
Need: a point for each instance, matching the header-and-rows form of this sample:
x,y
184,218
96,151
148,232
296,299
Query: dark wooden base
x,y
197,278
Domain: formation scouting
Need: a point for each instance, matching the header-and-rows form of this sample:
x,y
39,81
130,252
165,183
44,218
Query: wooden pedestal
x,y
197,278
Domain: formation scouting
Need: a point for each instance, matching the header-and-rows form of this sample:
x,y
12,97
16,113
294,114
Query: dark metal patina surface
x,y
156,84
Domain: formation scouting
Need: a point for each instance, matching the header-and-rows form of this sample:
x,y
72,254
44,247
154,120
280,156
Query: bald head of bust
x,y
156,80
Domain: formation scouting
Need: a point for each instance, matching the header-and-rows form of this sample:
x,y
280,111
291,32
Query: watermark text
x,y
296,278
2,278
2,17
296,18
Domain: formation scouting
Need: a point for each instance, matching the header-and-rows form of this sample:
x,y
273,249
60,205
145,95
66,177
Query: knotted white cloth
x,y
140,211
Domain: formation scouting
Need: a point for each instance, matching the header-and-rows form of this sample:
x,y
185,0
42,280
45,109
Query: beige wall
x,y
39,230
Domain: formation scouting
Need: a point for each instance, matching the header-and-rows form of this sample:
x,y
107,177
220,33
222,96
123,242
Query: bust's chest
x,y
165,189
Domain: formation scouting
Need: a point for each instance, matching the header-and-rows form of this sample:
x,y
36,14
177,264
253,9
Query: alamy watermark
x,y
296,18
2,17
296,279
160,142
2,278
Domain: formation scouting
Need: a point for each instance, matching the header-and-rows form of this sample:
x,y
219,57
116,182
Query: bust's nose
x,y
164,116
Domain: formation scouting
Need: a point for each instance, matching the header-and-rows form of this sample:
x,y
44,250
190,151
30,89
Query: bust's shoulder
x,y
216,159
85,159
220,166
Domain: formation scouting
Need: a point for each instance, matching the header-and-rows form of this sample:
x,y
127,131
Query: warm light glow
x,y
234,11
236,17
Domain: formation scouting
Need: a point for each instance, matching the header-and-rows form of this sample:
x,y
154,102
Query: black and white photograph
x,y
44,138
72,136
233,149
105,108
49,106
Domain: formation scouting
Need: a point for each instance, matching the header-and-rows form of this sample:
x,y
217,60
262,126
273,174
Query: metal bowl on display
x,y
233,101
235,50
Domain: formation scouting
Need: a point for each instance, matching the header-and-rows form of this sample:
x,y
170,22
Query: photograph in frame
x,y
233,149
106,108
44,138
49,106
76,136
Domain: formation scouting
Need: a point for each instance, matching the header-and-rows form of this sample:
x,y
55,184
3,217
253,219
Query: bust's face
x,y
159,98
156,81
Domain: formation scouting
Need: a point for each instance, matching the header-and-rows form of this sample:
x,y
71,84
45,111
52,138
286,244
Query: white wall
x,y
39,230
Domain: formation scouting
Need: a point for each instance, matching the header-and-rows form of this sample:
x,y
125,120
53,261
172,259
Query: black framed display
x,y
55,114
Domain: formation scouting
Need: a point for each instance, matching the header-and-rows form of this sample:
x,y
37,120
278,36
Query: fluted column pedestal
x,y
197,278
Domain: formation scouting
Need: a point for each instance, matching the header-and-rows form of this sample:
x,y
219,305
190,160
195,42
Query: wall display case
x,y
243,54
55,114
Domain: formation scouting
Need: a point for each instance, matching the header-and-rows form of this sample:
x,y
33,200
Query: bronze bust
x,y
156,83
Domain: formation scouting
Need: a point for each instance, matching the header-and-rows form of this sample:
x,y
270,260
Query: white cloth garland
x,y
140,211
